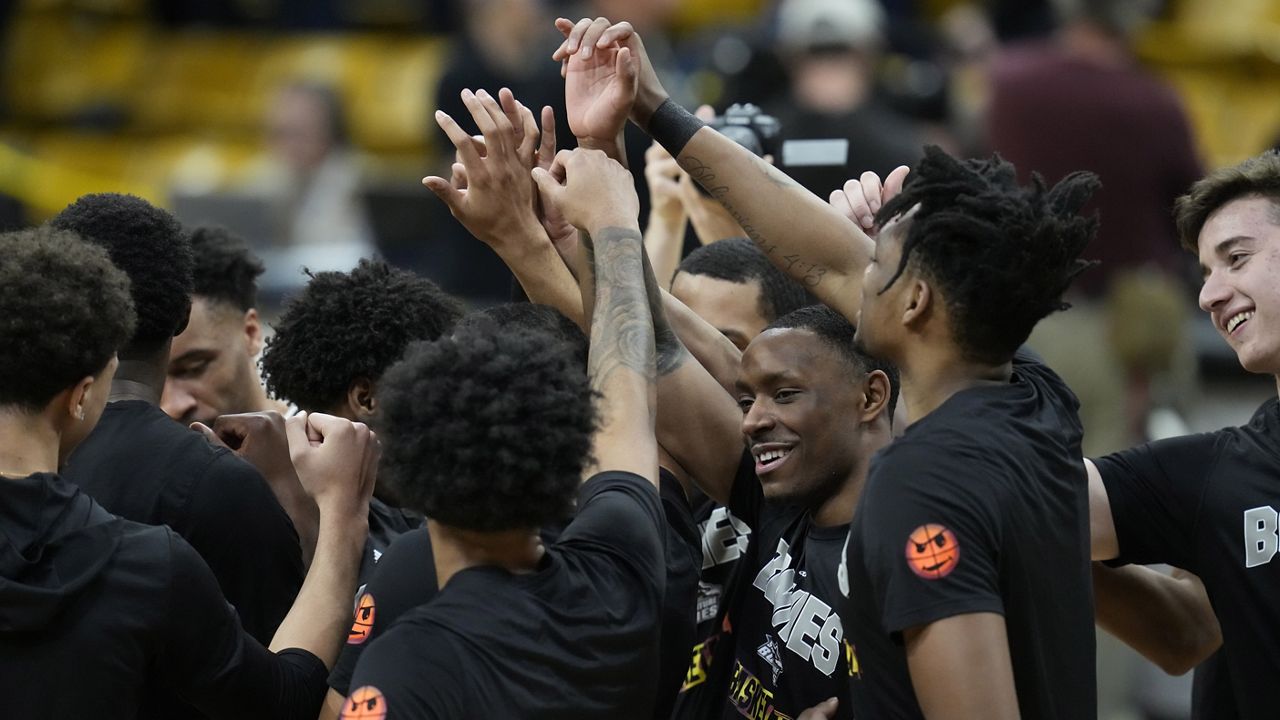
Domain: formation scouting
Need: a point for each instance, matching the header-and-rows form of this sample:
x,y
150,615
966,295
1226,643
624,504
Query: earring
x,y
80,413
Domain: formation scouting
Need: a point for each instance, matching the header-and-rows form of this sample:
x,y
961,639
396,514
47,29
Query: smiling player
x,y
1207,503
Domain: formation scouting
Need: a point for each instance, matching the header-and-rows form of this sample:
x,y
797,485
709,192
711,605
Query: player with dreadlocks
x,y
967,567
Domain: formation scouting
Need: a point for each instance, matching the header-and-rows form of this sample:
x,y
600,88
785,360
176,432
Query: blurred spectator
x,y
317,177
831,49
1081,102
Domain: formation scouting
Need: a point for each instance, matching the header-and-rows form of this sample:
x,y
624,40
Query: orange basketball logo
x,y
366,703
363,624
932,551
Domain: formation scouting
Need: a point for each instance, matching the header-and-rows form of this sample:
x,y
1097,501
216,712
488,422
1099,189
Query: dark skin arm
x,y
961,670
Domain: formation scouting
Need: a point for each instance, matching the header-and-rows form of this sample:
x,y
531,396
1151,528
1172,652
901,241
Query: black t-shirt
x,y
141,465
1208,503
386,523
783,647
576,638
405,578
981,506
724,540
1211,694
98,614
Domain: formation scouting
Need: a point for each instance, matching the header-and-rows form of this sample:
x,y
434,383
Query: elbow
x,y
1194,647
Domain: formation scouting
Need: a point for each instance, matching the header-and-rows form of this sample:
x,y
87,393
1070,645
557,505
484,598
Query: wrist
x,y
648,100
597,228
610,146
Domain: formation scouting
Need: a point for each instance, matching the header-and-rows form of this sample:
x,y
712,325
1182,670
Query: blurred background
x,y
306,126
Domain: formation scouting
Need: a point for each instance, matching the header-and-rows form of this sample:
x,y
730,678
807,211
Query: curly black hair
x,y
1000,253
226,269
739,260
149,245
64,311
488,429
537,317
838,333
351,325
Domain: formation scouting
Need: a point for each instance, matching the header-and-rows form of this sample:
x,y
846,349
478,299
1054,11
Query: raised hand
x,y
601,89
489,191
589,189
336,460
860,199
662,173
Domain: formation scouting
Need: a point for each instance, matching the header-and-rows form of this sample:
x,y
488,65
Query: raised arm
x,y
598,197
801,234
1168,619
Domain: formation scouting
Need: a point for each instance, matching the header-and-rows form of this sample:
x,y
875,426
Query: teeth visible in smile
x,y
771,455
1236,319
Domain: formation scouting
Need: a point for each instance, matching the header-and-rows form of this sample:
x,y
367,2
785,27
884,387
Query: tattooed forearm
x,y
805,272
622,326
671,353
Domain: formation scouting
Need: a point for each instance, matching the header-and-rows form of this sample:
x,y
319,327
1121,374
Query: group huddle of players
x,y
594,505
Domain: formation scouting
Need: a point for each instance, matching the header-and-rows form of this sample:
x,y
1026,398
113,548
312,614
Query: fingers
x,y
618,33
547,150
822,711
499,133
457,177
558,165
859,209
295,429
840,201
872,190
705,113
467,151
627,67
588,43
574,39
548,186
894,182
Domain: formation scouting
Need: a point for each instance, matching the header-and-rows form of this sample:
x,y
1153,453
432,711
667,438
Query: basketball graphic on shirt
x,y
363,624
932,551
366,703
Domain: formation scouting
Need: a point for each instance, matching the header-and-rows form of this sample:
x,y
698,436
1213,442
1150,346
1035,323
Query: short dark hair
x,y
537,317
226,270
350,325
148,244
1258,176
488,429
838,333
1002,254
66,310
739,260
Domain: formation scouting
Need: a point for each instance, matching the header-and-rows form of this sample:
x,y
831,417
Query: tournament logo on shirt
x,y
363,624
770,653
932,551
366,703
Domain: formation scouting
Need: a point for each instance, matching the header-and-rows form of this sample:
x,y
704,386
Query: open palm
x,y
599,91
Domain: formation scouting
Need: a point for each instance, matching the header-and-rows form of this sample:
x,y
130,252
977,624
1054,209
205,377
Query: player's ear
x,y
918,300
875,397
361,399
253,331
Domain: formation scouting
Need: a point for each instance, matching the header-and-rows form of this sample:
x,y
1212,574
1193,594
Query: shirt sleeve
x,y
619,513
248,542
931,539
217,666
389,681
1155,492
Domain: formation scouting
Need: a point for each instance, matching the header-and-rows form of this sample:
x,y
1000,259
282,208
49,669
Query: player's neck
x,y
930,376
141,377
455,550
838,509
28,444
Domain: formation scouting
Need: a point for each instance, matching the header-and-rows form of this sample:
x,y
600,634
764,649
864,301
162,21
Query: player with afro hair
x,y
462,422
149,245
334,341
534,316
226,270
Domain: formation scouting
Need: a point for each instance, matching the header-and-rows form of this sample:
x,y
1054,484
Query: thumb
x,y
824,710
208,433
627,66
547,185
443,190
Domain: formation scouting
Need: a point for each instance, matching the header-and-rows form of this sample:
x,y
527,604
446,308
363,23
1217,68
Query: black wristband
x,y
672,126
